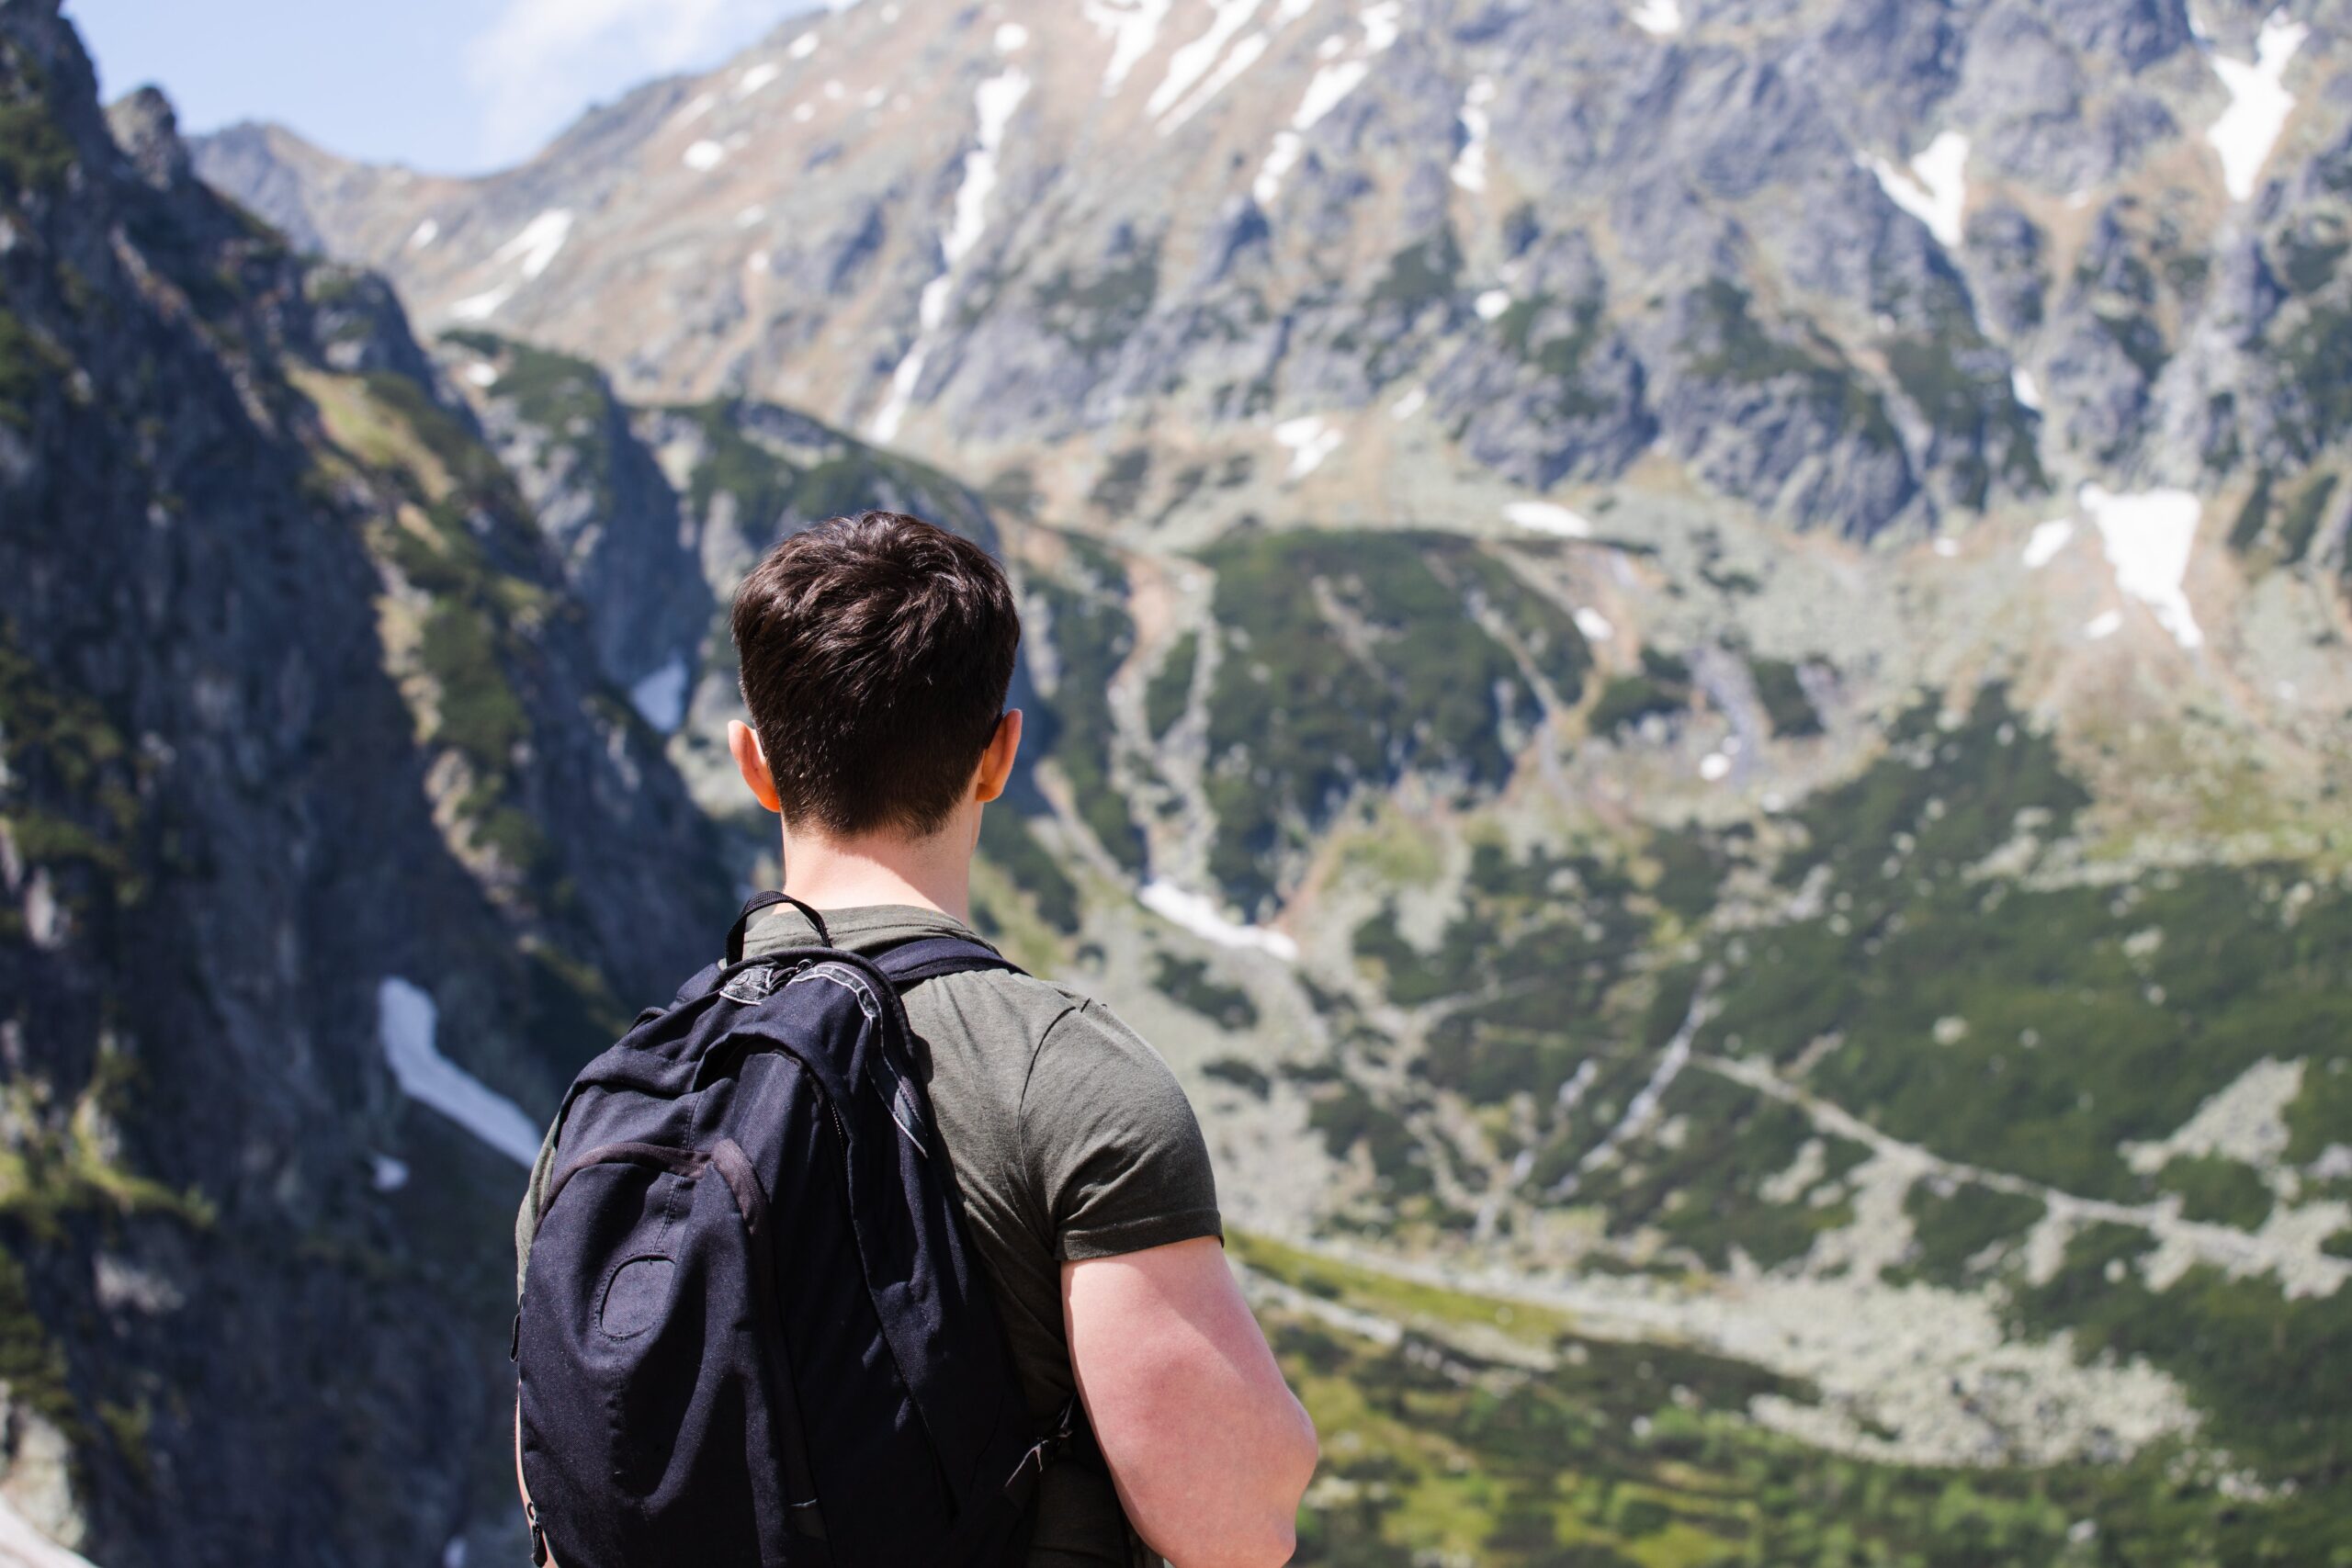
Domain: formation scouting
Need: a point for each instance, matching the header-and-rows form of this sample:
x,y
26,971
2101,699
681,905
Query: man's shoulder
x,y
1042,1006
1053,1019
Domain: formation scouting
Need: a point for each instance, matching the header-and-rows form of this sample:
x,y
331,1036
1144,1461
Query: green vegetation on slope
x,y
1488,1431
1091,634
1166,695
1727,344
1350,658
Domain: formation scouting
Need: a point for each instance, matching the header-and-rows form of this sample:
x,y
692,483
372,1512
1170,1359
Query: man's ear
x,y
996,763
752,763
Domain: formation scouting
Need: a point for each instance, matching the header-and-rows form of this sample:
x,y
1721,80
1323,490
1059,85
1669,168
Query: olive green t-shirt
x,y
1069,1138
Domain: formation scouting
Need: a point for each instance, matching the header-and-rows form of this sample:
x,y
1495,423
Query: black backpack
x,y
753,1332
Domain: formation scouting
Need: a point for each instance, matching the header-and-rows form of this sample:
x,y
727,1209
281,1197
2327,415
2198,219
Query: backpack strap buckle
x,y
1071,1434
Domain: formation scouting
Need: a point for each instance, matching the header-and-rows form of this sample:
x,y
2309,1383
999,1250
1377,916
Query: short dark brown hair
x,y
876,651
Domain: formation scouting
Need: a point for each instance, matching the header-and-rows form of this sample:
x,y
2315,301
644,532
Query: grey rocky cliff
x,y
1309,230
292,706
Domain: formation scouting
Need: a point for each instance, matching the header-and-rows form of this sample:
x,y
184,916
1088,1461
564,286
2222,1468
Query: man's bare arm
x,y
1208,1448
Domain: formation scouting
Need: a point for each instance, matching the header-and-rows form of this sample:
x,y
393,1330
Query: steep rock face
x,y
310,779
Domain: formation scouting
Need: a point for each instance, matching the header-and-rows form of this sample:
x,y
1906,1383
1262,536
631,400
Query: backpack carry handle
x,y
769,900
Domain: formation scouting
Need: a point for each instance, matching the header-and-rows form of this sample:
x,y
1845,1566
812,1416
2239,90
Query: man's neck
x,y
933,873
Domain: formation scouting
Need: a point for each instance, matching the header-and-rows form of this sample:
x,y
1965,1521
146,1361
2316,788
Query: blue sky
x,y
448,86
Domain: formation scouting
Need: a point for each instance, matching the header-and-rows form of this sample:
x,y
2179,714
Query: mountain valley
x,y
1687,659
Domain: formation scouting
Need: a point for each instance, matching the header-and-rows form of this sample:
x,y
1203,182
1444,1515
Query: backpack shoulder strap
x,y
928,957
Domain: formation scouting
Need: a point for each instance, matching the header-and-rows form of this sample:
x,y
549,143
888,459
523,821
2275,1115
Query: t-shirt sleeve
x,y
1111,1143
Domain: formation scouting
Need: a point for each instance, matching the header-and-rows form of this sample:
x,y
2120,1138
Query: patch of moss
x,y
1960,386
2215,1189
1092,635
1728,343
69,785
26,364
1952,1225
35,153
2140,338
1169,691
1097,316
1558,355
2254,517
2298,524
1425,273
2307,261
762,484
479,711
1121,485
1629,699
1345,1117
2321,1115
1185,982
32,1364
1241,1074
1786,709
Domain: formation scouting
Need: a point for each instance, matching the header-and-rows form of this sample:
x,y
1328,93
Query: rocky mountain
x,y
1860,266
1690,659
325,843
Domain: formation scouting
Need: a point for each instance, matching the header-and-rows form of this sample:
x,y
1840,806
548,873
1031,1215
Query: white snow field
x,y
406,1021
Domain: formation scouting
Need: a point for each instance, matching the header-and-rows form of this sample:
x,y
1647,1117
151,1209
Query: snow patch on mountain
x,y
1326,90
2260,102
1933,188
22,1546
660,698
2042,546
994,102
1594,624
1281,158
1246,53
2025,388
2149,537
406,1022
757,77
424,234
703,156
1197,913
1546,517
1470,163
1310,441
1659,18
1193,60
1133,26
533,250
